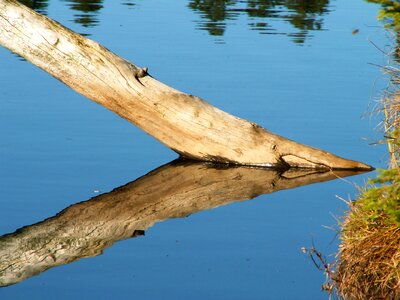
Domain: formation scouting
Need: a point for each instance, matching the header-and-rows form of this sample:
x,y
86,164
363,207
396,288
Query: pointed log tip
x,y
347,164
356,166
316,159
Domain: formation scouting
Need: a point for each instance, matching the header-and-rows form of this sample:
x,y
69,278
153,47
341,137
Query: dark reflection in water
x,y
389,14
216,15
88,11
301,14
38,5
173,191
128,3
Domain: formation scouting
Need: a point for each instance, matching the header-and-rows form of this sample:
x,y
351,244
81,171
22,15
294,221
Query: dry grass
x,y
368,265
391,110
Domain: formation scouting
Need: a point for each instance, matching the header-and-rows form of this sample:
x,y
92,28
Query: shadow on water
x,y
175,190
217,15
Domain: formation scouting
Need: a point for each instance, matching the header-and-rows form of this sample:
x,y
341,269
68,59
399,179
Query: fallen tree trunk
x,y
184,123
175,190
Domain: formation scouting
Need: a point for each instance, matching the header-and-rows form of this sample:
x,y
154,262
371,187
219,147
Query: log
x,y
185,123
175,190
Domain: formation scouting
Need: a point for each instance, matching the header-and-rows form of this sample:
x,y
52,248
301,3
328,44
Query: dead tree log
x,y
185,123
175,190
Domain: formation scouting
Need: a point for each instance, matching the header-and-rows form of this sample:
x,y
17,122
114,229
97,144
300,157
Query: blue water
x,y
317,87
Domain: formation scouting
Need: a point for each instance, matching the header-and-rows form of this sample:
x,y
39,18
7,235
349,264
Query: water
x,y
298,71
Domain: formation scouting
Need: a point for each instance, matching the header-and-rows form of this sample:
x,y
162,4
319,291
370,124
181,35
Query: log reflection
x,y
175,190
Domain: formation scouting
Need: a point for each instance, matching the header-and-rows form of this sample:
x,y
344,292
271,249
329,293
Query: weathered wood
x,y
172,191
184,123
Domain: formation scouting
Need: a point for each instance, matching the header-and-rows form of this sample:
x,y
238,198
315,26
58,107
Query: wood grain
x,y
185,123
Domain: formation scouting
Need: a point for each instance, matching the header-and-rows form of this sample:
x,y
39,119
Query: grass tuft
x,y
368,262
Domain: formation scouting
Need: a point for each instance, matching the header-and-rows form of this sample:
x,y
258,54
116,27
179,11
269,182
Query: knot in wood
x,y
141,72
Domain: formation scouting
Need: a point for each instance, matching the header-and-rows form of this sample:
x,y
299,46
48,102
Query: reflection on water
x,y
129,3
88,11
389,13
173,191
38,5
390,16
87,228
303,15
217,15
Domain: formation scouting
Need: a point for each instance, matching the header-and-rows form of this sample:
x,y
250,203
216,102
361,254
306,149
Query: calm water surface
x,y
294,68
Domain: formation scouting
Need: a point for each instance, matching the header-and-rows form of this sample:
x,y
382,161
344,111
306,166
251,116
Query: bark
x,y
185,123
172,191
